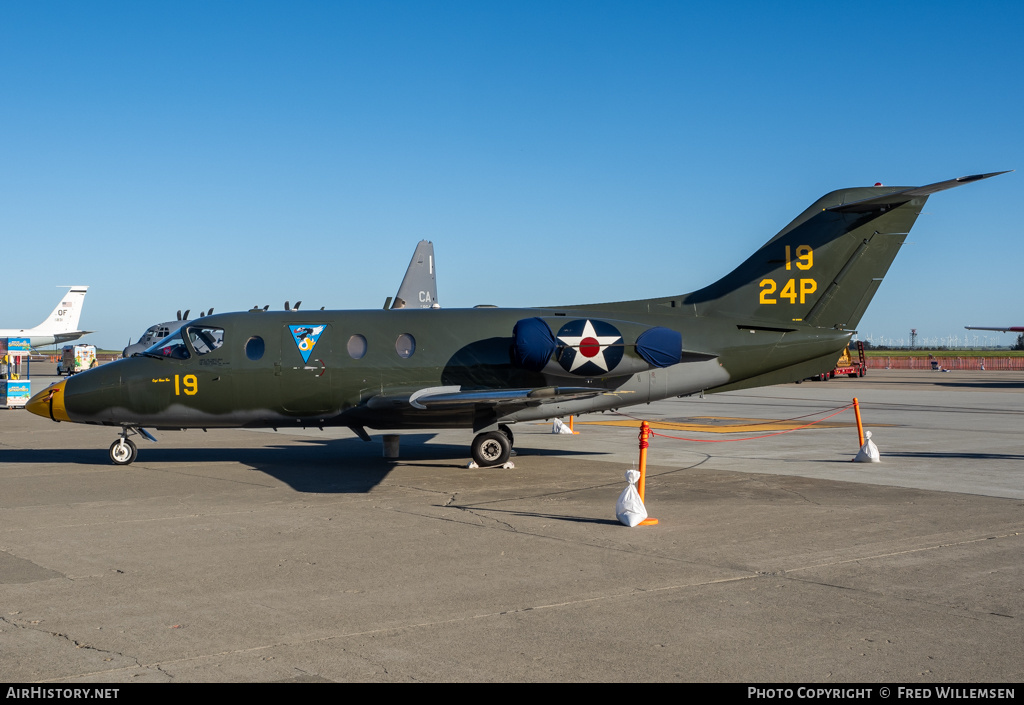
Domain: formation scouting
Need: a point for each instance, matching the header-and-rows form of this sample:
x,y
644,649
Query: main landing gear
x,y
123,450
493,448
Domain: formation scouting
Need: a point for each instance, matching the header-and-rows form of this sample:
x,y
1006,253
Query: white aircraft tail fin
x,y
65,317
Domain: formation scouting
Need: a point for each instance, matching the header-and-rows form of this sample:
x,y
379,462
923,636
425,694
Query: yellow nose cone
x,y
49,403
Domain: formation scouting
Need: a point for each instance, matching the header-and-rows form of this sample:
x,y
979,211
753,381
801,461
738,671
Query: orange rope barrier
x,y
750,438
646,432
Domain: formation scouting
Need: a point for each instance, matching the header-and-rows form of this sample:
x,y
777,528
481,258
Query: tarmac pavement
x,y
241,556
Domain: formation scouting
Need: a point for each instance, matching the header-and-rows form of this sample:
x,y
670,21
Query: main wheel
x,y
123,452
491,448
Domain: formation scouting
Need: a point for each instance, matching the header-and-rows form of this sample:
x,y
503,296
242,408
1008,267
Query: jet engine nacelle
x,y
593,347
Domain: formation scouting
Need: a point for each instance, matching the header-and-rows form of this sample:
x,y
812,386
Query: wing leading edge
x,y
454,398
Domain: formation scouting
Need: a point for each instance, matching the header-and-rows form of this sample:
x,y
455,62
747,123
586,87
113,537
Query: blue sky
x,y
177,155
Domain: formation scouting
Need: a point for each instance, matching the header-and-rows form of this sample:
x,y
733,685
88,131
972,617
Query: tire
x,y
123,454
490,449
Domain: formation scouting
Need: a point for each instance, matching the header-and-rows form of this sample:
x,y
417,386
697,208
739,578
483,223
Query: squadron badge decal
x,y
589,347
305,338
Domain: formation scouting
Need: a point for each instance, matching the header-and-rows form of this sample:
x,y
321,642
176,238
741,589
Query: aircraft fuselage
x,y
363,366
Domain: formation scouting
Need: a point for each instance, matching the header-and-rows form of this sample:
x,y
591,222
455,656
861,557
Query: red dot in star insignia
x,y
589,347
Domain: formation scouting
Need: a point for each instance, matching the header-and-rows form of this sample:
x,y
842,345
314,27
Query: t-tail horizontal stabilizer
x,y
900,197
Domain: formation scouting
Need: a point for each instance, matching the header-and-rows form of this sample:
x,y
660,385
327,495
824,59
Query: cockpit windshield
x,y
173,347
202,339
205,339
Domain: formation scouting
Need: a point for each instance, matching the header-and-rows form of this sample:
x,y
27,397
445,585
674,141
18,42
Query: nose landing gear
x,y
123,450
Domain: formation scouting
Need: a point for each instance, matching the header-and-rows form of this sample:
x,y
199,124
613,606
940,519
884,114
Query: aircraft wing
x,y
450,398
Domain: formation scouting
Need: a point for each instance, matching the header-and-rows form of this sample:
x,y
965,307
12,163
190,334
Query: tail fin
x,y
64,318
824,267
419,287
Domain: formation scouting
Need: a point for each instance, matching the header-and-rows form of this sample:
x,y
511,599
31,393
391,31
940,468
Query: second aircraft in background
x,y
418,290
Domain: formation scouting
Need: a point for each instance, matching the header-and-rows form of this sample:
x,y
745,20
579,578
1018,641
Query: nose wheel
x,y
123,452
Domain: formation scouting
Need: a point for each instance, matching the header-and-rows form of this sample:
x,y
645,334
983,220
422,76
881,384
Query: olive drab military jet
x,y
783,315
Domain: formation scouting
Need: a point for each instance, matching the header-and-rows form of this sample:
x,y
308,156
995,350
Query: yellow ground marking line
x,y
716,424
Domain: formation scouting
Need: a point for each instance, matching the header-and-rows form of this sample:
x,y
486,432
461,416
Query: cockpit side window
x,y
205,339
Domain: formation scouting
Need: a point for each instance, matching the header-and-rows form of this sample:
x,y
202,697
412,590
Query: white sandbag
x,y
868,452
558,427
630,510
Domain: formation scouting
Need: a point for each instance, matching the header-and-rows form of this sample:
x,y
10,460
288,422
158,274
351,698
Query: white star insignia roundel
x,y
588,350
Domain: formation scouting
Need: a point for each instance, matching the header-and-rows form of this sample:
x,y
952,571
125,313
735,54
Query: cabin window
x,y
405,346
356,347
205,339
255,347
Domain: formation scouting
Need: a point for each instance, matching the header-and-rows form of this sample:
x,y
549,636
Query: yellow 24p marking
x,y
792,289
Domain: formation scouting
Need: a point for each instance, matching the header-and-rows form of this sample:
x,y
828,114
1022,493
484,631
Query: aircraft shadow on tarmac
x,y
982,385
345,465
964,456
538,515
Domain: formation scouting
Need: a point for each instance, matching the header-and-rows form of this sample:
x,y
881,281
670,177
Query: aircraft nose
x,y
49,403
